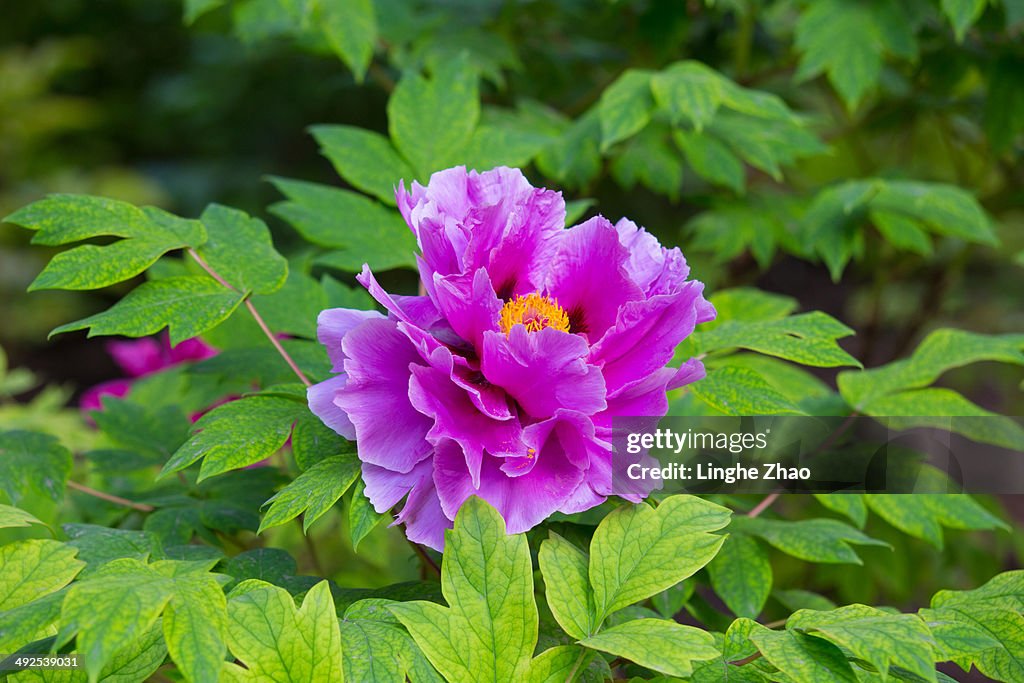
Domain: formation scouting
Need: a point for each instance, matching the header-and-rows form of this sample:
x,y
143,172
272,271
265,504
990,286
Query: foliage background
x,y
121,99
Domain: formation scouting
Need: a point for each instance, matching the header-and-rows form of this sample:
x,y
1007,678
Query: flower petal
x,y
321,402
543,371
587,277
331,327
391,433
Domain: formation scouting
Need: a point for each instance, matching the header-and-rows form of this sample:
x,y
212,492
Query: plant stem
x,y
109,497
256,316
746,660
763,505
311,549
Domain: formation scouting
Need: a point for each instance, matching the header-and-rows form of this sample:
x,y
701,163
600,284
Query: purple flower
x,y
139,358
503,379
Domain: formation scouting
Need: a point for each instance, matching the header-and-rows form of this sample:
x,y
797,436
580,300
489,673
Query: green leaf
x,y
34,568
32,465
490,629
574,159
711,159
188,306
664,646
64,218
880,638
807,338
362,518
97,545
638,551
237,434
741,391
377,649
1004,103
194,626
351,30
313,492
897,391
742,575
114,606
962,14
558,664
313,441
359,229
802,657
15,517
851,505
431,121
566,585
813,540
197,8
848,40
625,107
494,145
277,642
650,159
689,91
923,515
29,622
365,159
240,249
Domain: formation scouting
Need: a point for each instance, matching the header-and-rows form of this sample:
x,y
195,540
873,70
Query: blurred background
x,y
153,102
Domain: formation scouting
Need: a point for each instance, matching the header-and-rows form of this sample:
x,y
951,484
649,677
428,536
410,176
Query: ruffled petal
x,y
588,278
321,402
543,371
331,327
469,304
391,433
646,334
456,419
522,501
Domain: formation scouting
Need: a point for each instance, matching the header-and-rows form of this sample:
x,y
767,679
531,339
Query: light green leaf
x,y
114,606
566,585
359,229
558,664
351,30
431,121
194,625
813,540
851,505
574,159
638,551
277,642
664,646
31,465
34,568
625,107
802,657
489,631
240,249
741,391
313,492
63,218
923,515
365,159
650,159
494,145
807,338
742,575
880,638
30,622
188,306
376,648
15,517
237,434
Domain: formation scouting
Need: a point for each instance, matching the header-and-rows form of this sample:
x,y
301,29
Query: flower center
x,y
535,312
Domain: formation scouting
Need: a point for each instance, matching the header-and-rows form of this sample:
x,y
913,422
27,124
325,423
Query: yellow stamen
x,y
535,312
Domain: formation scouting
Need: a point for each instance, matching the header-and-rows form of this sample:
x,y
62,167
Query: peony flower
x,y
139,358
503,379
